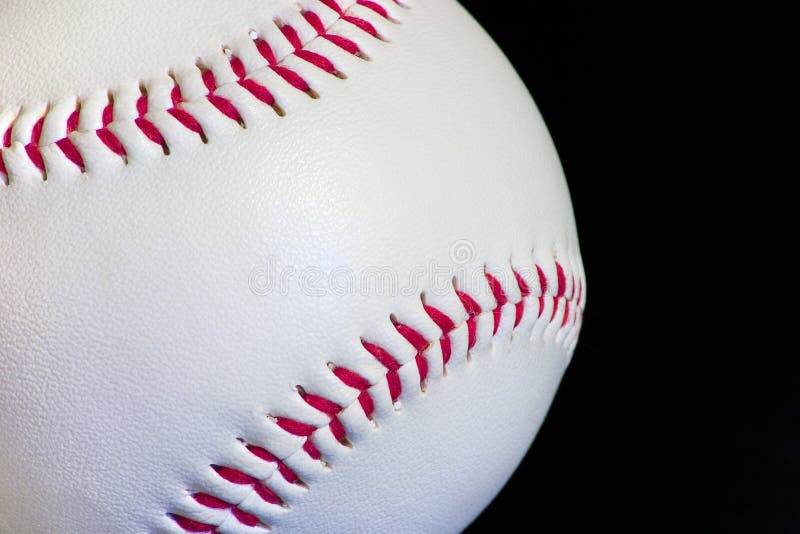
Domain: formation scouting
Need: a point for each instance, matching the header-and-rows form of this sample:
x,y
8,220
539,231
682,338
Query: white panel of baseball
x,y
271,265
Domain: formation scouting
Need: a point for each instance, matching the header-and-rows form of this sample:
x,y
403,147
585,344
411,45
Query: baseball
x,y
274,265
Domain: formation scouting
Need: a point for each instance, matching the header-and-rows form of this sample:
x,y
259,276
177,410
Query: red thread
x,y
440,318
369,4
362,25
395,387
267,494
7,138
258,91
266,51
322,404
295,427
225,107
262,453
234,476
382,355
446,349
210,501
561,289
291,35
334,6
245,518
337,429
112,142
412,336
352,379
288,475
190,525
316,59
365,400
345,44
422,365
292,78
312,450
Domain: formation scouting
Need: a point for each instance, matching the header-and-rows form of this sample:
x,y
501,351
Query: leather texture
x,y
134,350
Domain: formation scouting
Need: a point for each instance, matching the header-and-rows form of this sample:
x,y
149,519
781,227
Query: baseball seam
x,y
244,496
20,138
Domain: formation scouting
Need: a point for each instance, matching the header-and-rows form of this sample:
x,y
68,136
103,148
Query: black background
x,y
680,410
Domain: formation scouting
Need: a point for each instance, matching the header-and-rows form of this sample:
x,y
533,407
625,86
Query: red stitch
x,y
334,6
470,305
566,314
382,355
209,80
315,22
266,51
365,400
369,4
440,318
238,67
234,476
317,60
345,44
500,297
322,404
446,350
542,279
108,113
337,429
74,120
395,387
111,141
412,336
520,311
226,108
555,310
188,122
244,518
67,147
71,152
422,366
292,77
7,138
288,475
520,306
32,148
190,525
362,25
295,427
262,453
562,281
259,91
3,171
151,132
35,156
291,35
210,501
36,133
267,494
580,292
312,451
352,379
473,310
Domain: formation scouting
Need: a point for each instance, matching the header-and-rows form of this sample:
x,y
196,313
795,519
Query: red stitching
x,y
224,105
307,432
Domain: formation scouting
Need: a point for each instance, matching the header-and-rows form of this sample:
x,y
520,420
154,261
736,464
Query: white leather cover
x,y
140,343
